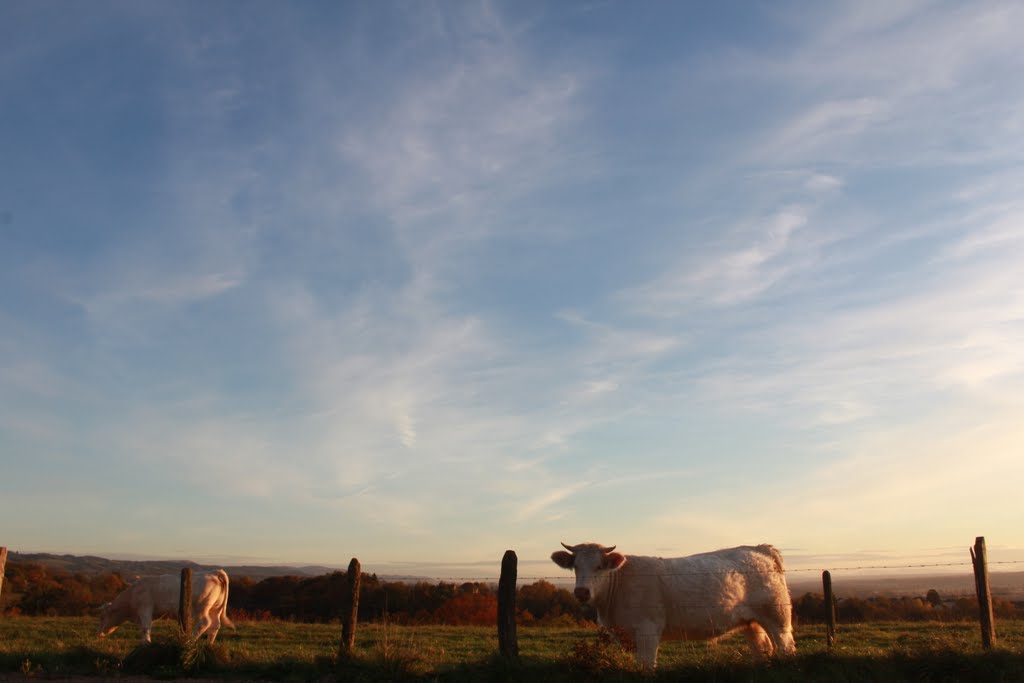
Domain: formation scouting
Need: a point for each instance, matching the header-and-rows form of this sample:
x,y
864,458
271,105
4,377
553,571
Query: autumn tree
x,y
466,609
543,600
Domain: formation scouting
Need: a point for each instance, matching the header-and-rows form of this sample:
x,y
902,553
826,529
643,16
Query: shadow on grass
x,y
176,658
168,660
921,667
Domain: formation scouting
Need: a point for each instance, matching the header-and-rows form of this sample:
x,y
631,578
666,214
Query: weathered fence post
x,y
3,564
508,644
350,615
830,610
185,603
979,558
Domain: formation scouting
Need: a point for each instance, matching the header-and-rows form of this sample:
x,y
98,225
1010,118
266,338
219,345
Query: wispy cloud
x,y
460,139
540,503
179,290
816,134
860,111
822,182
754,262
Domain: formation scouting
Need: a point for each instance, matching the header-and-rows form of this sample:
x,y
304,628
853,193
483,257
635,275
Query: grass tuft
x,y
611,650
198,656
175,657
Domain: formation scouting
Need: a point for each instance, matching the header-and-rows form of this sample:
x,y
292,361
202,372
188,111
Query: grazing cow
x,y
153,597
697,597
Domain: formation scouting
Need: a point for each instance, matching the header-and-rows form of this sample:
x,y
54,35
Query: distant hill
x,y
90,564
1008,585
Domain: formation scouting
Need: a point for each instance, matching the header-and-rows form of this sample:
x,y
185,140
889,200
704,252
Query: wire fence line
x,y
729,572
1009,596
972,596
897,566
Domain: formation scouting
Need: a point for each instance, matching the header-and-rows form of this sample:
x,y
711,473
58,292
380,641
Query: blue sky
x,y
419,282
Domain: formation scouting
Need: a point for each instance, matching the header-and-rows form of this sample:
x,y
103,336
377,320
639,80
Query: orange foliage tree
x,y
469,609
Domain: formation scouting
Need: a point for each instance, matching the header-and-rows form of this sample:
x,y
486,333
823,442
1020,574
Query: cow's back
x,y
163,593
700,595
717,590
160,594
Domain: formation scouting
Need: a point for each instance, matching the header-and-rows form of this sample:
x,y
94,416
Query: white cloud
x,y
862,361
457,141
822,182
1003,232
756,260
538,504
597,388
178,289
817,133
873,86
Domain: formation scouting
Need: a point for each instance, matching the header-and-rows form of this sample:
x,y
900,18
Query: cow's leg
x,y
648,637
760,642
202,625
214,626
146,623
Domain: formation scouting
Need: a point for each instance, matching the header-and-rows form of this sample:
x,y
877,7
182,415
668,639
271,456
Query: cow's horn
x,y
568,547
607,550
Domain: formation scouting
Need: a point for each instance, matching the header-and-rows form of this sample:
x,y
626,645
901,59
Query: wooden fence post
x,y
185,603
508,643
979,558
3,564
350,616
830,611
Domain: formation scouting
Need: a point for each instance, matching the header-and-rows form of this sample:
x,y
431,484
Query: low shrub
x,y
611,649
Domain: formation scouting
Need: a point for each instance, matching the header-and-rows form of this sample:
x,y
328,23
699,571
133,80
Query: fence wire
x,y
731,572
568,576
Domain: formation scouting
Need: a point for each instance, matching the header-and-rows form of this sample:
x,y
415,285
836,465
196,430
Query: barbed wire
x,y
730,572
972,596
792,603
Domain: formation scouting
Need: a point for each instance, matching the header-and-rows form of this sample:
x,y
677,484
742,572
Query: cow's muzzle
x,y
582,594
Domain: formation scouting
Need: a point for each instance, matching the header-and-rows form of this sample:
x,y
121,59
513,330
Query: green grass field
x,y
61,647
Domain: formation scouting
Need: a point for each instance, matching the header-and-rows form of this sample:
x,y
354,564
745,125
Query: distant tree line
x,y
321,599
34,589
810,608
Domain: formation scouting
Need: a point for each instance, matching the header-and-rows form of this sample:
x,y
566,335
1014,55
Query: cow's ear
x,y
562,559
613,561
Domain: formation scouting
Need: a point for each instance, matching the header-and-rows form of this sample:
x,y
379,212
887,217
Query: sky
x,y
420,282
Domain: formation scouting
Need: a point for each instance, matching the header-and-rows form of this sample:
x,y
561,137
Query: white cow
x,y
697,597
153,597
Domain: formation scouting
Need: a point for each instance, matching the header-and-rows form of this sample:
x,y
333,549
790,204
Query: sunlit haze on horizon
x,y
419,282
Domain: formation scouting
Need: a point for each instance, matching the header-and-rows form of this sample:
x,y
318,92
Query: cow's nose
x,y
582,594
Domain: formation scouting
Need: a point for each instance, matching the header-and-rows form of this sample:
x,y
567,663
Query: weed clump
x,y
611,650
199,655
174,657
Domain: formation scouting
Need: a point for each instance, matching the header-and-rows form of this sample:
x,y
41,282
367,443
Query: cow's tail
x,y
222,576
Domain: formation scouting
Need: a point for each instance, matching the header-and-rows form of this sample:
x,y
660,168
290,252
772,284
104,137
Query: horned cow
x,y
696,597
